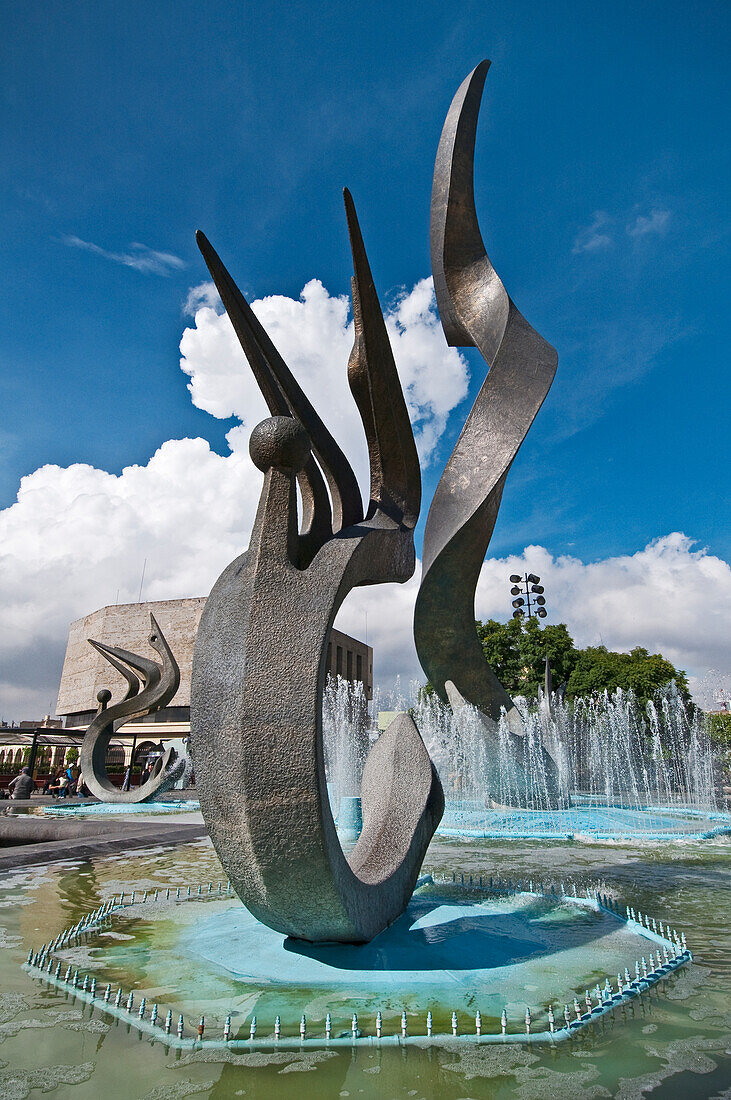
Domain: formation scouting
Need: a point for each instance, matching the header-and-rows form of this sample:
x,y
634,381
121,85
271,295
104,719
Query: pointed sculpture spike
x,y
149,670
475,311
456,241
547,680
283,393
395,473
133,681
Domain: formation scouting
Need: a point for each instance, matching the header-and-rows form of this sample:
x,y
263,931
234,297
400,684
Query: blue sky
x,y
602,184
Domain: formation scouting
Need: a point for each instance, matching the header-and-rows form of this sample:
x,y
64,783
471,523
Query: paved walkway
x,y
28,838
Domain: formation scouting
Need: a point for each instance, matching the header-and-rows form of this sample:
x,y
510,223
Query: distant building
x,y
127,626
53,742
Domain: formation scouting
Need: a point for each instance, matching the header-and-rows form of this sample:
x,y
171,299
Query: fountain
x,y
345,727
160,682
623,771
364,938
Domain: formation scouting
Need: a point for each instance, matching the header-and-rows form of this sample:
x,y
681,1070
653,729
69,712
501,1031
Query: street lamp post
x,y
528,596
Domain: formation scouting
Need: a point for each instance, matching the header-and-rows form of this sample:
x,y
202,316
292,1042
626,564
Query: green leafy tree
x,y
599,669
536,644
501,644
517,650
719,727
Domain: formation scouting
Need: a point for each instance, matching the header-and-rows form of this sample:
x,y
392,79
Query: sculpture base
x,y
455,950
447,949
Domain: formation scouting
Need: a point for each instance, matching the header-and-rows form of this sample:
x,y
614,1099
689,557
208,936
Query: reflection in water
x,y
441,934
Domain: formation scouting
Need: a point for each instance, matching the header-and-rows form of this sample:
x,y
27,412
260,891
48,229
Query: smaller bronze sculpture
x,y
159,684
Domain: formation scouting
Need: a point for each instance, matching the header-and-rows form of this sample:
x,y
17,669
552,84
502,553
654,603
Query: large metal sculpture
x,y
159,683
475,311
259,662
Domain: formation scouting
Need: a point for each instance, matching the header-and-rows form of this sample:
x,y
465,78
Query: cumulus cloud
x,y
139,257
77,536
657,598
314,335
594,237
654,222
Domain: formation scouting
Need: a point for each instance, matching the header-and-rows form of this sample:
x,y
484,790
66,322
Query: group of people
x,y
67,782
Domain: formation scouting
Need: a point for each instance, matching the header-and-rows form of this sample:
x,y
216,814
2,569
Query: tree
x,y
501,643
517,650
537,643
599,669
719,727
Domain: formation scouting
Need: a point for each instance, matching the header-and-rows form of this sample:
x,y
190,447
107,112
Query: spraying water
x,y
345,724
623,770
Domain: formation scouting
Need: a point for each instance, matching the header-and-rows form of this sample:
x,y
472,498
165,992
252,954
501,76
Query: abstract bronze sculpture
x,y
160,682
475,311
259,662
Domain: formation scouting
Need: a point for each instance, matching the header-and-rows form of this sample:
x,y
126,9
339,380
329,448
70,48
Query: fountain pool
x,y
676,1034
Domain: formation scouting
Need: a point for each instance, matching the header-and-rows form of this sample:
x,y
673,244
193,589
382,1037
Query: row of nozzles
x,y
604,995
604,900
134,897
645,973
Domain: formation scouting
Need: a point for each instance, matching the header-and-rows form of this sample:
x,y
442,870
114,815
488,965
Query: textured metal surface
x,y
160,684
476,311
260,653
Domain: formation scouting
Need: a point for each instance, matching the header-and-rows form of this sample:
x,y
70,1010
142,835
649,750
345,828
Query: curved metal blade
x,y
375,385
475,310
149,670
285,397
133,681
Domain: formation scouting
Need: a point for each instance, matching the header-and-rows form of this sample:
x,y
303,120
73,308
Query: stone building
x,y
127,626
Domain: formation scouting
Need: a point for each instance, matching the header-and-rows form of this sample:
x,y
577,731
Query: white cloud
x,y
598,236
595,237
669,597
314,336
643,225
140,257
657,597
76,536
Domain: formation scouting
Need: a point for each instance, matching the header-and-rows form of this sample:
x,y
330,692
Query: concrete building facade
x,y
127,626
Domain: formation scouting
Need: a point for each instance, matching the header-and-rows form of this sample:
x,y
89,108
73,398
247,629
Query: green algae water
x,y
674,1042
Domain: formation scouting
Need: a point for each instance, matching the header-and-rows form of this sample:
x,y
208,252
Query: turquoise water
x,y
598,822
675,1043
472,819
103,809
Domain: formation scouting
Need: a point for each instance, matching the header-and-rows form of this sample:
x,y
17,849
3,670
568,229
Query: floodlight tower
x,y
529,598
